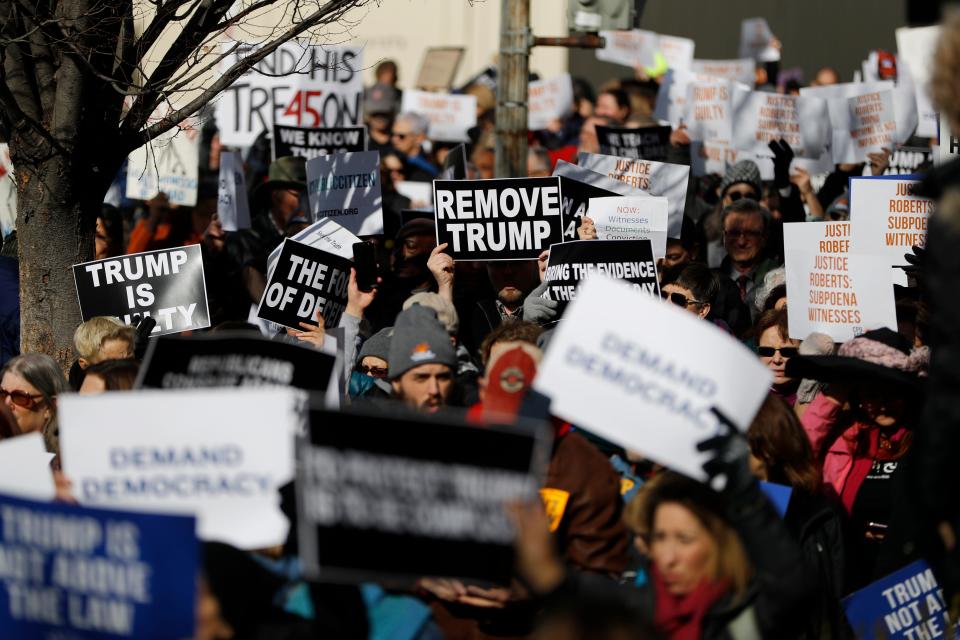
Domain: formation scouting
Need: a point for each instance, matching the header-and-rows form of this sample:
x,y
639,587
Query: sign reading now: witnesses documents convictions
x,y
832,290
310,143
671,371
402,497
581,185
73,572
346,187
648,143
631,218
503,219
166,284
221,454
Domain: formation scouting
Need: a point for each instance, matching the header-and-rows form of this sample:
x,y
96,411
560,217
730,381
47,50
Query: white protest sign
x,y
709,109
949,143
221,454
872,126
743,70
629,48
631,218
420,193
8,193
233,205
450,115
346,186
761,117
667,373
169,163
678,52
831,290
656,178
888,219
671,103
755,41
549,100
915,48
323,234
25,467
298,84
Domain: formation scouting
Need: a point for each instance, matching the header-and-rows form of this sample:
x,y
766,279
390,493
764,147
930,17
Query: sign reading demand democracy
x,y
166,284
504,219
305,281
346,186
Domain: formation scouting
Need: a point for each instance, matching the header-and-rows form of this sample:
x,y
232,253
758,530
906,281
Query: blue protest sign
x,y
906,604
73,572
778,494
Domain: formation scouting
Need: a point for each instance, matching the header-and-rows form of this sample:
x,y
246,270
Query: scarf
x,y
681,617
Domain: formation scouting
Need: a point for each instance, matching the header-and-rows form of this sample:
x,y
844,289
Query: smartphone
x,y
365,262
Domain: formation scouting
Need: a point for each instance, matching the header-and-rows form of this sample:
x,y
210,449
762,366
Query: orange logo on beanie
x,y
422,352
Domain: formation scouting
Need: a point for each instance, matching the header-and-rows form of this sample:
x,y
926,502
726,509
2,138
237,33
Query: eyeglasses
x,y
402,136
20,398
785,352
374,372
750,234
737,195
679,299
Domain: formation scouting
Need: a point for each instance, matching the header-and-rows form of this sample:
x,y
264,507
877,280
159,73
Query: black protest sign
x,y
571,262
505,219
232,360
646,143
309,143
166,285
455,164
305,280
394,497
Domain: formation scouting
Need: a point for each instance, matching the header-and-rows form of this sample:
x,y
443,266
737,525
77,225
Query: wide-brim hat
x,y
288,172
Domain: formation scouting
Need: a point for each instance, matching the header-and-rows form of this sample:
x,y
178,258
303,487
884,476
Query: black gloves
x,y
730,460
782,157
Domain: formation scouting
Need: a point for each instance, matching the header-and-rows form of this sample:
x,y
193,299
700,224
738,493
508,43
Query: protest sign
x,y
653,178
450,116
73,572
309,143
709,109
907,159
504,219
220,454
419,193
298,84
579,186
629,48
778,494
549,100
223,359
166,284
390,497
872,124
346,186
233,204
632,218
742,70
455,164
323,234
760,117
755,41
830,289
25,467
572,262
949,143
305,281
438,68
915,48
602,366
169,163
678,52
647,143
906,605
888,218
671,104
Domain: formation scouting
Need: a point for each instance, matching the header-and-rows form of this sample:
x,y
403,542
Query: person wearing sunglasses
x,y
408,135
692,287
29,386
775,348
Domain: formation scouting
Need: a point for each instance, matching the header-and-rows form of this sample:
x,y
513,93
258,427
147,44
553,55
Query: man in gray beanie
x,y
422,360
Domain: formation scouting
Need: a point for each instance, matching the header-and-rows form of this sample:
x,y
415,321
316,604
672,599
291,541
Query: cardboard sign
x,y
504,219
450,116
323,234
888,219
670,369
755,37
166,284
573,262
579,186
915,48
830,289
402,497
304,281
233,205
629,48
310,143
905,605
71,572
632,218
549,100
647,143
346,186
25,467
298,84
455,164
949,143
220,454
170,163
761,117
654,178
225,360
743,70
439,67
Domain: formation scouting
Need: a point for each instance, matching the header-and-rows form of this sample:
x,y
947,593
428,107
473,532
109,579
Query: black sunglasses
x,y
785,352
373,372
736,195
679,299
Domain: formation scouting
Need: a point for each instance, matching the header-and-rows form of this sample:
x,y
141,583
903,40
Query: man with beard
x,y
422,360
408,271
512,280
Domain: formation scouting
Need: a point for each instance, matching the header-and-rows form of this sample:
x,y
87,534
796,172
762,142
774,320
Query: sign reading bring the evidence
x,y
310,143
305,280
647,143
346,186
600,368
73,572
166,284
396,497
503,219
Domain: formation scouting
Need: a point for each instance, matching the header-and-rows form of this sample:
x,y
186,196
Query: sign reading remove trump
x,y
507,219
166,284
601,366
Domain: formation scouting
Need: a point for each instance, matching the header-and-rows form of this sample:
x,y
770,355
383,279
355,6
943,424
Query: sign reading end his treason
x,y
166,284
506,219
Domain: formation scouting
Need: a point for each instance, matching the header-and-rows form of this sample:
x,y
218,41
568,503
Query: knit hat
x,y
419,338
377,346
417,227
446,312
744,171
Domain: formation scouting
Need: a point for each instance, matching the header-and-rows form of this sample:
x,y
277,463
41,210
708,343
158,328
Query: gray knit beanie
x,y
419,338
744,171
377,345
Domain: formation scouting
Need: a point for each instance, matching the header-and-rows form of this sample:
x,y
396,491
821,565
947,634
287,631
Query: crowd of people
x,y
639,551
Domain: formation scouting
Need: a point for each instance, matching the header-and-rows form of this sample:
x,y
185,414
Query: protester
x,y
103,338
692,287
408,135
422,360
613,104
109,375
775,347
30,385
